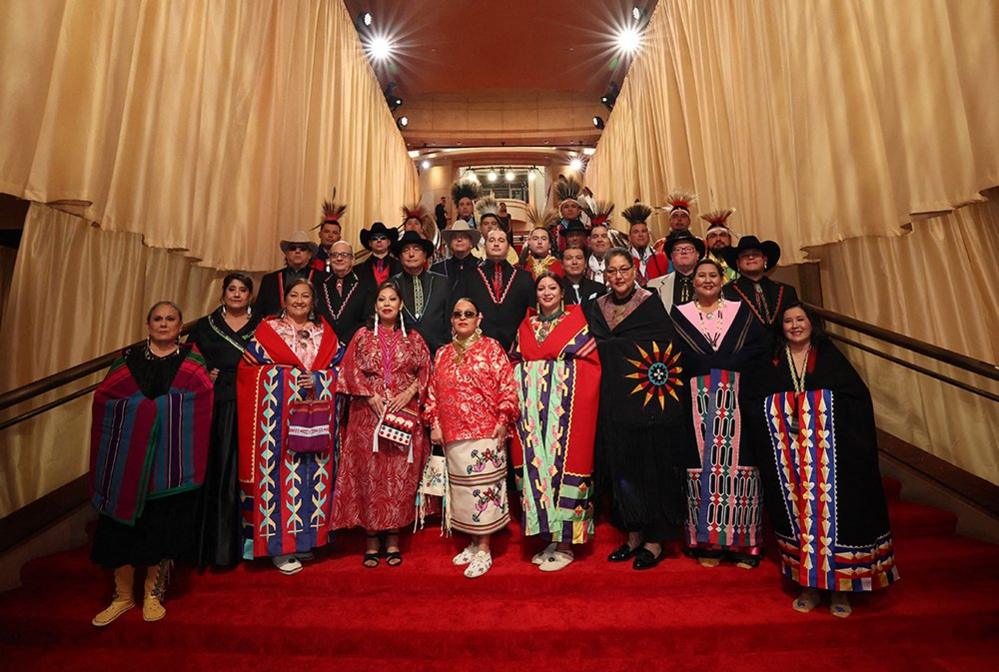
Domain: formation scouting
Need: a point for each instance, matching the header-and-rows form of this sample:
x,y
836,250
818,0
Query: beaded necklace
x,y
798,380
716,317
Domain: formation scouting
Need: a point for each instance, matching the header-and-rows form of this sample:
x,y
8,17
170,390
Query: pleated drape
x,y
818,120
209,127
935,285
829,126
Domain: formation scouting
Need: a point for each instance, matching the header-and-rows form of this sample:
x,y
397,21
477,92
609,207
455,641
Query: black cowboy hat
x,y
378,227
683,236
412,238
573,226
769,248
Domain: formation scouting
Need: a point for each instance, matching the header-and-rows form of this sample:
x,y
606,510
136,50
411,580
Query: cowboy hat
x,y
683,236
461,226
768,248
378,227
573,226
298,238
412,238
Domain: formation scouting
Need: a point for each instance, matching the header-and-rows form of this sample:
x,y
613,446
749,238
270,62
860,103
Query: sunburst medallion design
x,y
658,374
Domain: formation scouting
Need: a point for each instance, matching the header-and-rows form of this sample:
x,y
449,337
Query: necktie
x,y
497,282
579,299
417,297
339,286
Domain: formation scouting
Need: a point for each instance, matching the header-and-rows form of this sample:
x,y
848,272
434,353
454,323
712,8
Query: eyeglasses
x,y
618,271
378,236
298,248
685,249
467,314
341,255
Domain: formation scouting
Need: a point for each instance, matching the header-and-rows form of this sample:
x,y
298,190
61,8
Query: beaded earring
x,y
376,323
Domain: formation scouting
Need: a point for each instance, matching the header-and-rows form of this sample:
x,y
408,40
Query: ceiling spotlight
x,y
598,121
589,151
531,176
424,164
576,165
509,176
367,18
380,48
628,40
413,153
636,13
491,176
402,122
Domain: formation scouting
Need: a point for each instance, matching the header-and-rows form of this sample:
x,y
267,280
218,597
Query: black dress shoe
x,y
645,560
623,552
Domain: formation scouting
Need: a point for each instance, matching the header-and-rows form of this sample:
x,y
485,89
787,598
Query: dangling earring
x,y
312,315
478,331
402,325
376,323
249,311
282,314
223,308
561,305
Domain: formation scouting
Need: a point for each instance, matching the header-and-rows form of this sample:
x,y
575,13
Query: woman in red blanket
x,y
149,444
286,462
558,384
385,374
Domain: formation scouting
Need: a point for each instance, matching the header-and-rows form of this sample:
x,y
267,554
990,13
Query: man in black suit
x,y
425,295
579,289
460,239
502,292
343,295
440,213
765,298
298,249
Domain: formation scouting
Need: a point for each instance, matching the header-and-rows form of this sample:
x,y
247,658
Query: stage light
x,y
628,40
368,18
402,122
509,176
598,122
531,175
380,48
636,13
413,153
424,164
589,151
576,165
491,176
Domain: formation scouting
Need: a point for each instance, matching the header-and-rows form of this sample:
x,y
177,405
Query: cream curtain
x,y
934,285
211,127
818,120
77,292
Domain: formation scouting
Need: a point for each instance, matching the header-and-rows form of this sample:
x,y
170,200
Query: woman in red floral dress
x,y
386,369
471,406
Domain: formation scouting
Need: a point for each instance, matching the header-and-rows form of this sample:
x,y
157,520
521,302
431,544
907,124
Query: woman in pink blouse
x,y
471,406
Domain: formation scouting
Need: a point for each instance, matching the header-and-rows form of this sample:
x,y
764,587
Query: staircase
x,y
424,615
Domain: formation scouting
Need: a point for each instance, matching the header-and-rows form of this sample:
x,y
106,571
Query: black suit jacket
x,y
366,269
348,313
500,320
434,323
589,292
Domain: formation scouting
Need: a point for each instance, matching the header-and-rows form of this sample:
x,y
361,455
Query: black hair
x,y
242,277
466,300
554,276
708,260
819,334
618,252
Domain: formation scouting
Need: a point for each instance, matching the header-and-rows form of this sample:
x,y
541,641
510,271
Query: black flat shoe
x,y
645,560
623,552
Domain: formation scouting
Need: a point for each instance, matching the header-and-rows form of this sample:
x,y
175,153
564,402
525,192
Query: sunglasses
x,y
299,248
467,314
378,236
618,271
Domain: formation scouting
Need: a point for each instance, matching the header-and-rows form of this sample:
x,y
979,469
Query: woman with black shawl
x,y
640,429
811,418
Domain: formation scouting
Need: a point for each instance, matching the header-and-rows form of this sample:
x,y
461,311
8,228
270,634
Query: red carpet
x,y
424,615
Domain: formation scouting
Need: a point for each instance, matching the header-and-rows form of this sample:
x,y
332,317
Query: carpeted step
x,y
892,487
909,519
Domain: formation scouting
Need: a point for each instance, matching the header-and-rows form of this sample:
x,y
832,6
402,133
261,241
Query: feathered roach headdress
x,y
639,212
332,211
420,213
600,214
717,219
542,220
465,188
487,205
680,200
567,189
